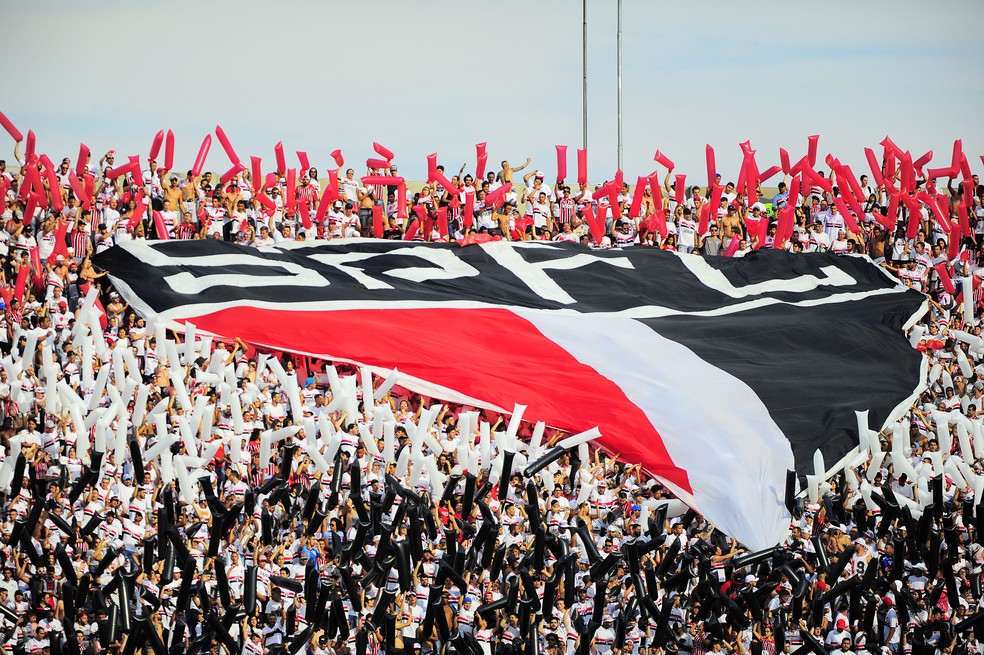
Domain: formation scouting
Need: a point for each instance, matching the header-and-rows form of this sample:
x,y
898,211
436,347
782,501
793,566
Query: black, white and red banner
x,y
717,374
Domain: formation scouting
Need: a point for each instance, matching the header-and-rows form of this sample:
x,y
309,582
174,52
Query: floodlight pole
x,y
619,40
584,74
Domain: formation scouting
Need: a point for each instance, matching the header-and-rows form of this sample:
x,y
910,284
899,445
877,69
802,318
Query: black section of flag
x,y
812,378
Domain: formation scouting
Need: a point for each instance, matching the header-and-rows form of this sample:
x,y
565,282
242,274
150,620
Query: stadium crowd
x,y
202,497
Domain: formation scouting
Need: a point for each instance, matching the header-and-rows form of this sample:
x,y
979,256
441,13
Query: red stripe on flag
x,y
492,375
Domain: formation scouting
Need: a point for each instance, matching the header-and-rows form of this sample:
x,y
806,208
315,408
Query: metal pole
x,y
619,84
584,74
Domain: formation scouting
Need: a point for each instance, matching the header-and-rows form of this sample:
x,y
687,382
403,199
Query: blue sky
x,y
442,75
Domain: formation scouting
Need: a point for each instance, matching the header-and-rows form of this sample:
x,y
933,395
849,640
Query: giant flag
x,y
718,375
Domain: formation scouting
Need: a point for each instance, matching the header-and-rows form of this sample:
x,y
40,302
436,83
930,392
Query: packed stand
x,y
192,496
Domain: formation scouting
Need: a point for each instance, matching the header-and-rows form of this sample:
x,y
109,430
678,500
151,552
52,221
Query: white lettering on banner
x,y
532,274
258,271
715,279
191,283
447,266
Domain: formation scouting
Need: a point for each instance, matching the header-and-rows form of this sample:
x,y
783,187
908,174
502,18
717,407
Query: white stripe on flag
x,y
713,425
